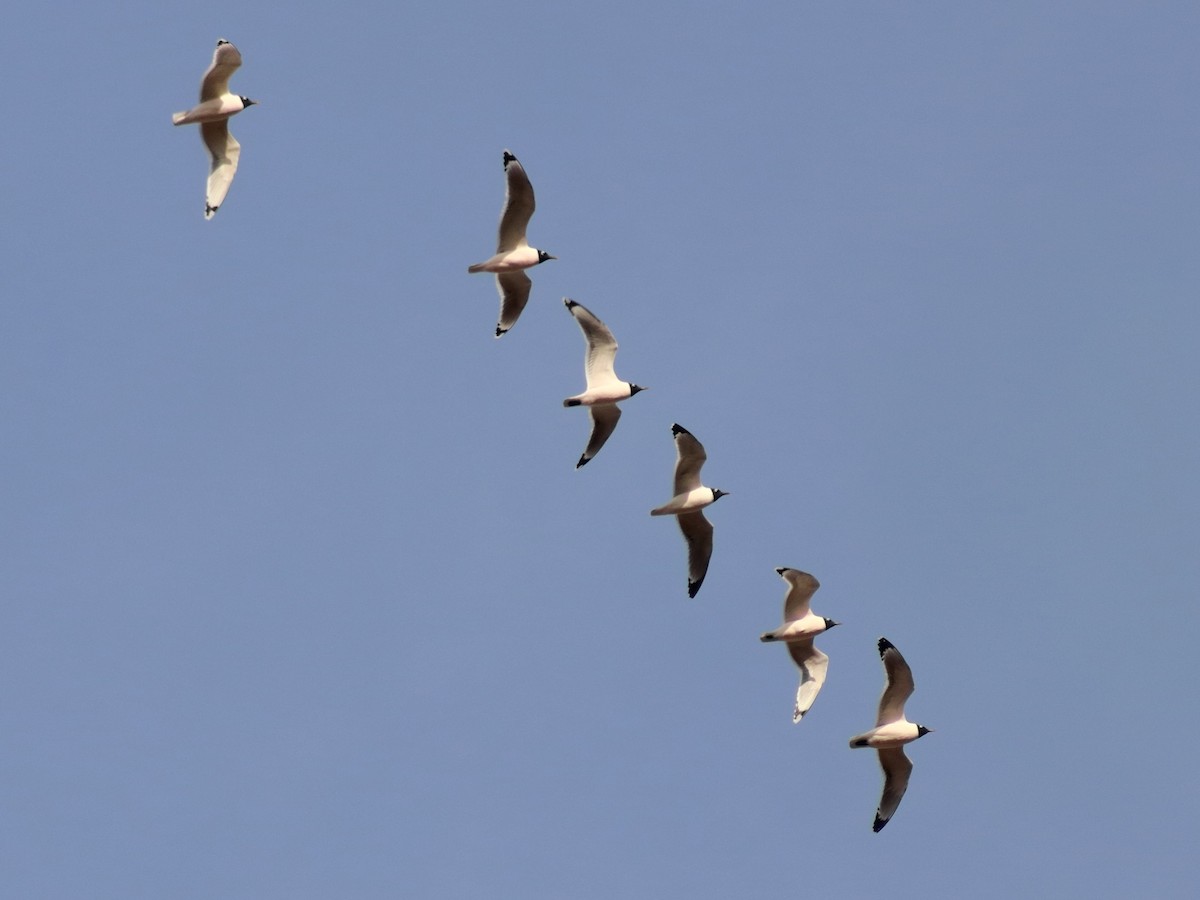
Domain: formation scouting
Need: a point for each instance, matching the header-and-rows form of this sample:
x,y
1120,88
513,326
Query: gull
x,y
216,105
513,253
891,732
604,389
690,498
799,628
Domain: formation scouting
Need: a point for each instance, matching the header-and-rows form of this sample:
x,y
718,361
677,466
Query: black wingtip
x,y
583,461
885,645
678,429
569,303
879,823
500,332
694,587
508,157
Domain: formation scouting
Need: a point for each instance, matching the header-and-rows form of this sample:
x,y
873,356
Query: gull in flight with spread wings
x,y
891,732
216,105
604,389
800,626
690,498
513,253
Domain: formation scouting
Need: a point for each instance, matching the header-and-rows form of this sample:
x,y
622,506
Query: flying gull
x,y
799,628
604,389
513,253
690,498
216,105
891,732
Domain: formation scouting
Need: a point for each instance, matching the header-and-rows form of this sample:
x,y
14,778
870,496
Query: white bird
x,y
513,253
799,628
604,389
690,498
216,105
891,732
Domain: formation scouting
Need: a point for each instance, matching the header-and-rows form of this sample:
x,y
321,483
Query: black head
x,y
246,101
829,623
718,494
543,256
922,730
634,388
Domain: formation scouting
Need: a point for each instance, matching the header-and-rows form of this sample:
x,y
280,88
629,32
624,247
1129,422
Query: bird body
x,y
689,501
891,732
522,257
799,630
604,394
214,110
513,253
217,104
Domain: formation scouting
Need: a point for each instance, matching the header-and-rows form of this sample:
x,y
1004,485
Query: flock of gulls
x,y
604,391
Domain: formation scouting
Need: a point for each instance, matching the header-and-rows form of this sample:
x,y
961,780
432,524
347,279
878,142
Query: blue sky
x,y
304,597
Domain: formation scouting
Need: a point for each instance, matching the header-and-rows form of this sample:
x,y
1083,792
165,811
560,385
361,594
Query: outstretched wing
x,y
518,205
899,684
514,294
812,664
601,346
896,769
691,457
225,62
224,151
604,421
698,532
801,587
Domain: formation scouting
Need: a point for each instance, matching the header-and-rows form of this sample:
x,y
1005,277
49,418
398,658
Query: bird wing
x,y
514,294
801,587
224,150
812,664
691,458
899,684
226,60
518,206
698,532
604,420
601,346
896,769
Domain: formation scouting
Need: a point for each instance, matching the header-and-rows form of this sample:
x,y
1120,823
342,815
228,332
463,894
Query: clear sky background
x,y
304,597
